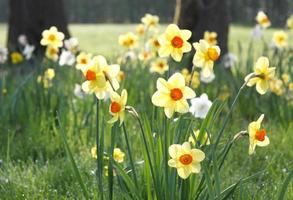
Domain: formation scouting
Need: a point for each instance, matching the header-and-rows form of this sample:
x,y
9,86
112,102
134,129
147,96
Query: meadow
x,y
42,128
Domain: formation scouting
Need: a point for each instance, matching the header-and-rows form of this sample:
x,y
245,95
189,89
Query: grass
x,y
34,162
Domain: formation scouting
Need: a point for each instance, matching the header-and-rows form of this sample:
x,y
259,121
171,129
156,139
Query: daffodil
x,y
172,95
82,60
257,136
174,42
16,57
205,56
121,76
140,29
185,159
144,55
118,155
210,37
52,37
159,65
276,86
262,19
155,44
100,77
94,152
261,76
49,73
128,40
117,106
150,21
290,22
52,53
286,78
205,139
280,39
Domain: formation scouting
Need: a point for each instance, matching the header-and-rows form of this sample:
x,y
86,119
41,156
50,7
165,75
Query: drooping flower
x,y
257,136
277,86
172,95
82,60
66,58
150,21
28,51
118,155
100,77
49,73
16,57
71,45
160,65
207,77
174,42
117,106
205,56
262,19
185,159
280,39
200,106
210,37
261,76
205,139
3,55
290,22
52,53
128,40
52,37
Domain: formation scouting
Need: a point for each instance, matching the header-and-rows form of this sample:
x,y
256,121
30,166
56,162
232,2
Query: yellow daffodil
x,y
49,73
150,21
290,22
52,37
172,95
128,40
82,60
100,77
205,56
257,136
16,57
52,53
118,155
210,37
280,39
154,43
140,29
144,55
121,76
276,86
206,140
263,20
174,42
290,86
117,106
185,159
94,152
286,78
195,82
261,76
159,65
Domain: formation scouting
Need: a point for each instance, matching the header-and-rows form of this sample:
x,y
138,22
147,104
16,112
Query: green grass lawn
x,y
34,162
103,38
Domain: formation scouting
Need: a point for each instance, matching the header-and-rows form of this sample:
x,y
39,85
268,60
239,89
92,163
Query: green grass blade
x,y
285,185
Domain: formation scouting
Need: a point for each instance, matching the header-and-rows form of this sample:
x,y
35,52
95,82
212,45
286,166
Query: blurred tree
x,y
31,17
206,15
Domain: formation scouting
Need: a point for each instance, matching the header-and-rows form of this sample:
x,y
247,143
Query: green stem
x,y
99,154
166,154
191,76
130,154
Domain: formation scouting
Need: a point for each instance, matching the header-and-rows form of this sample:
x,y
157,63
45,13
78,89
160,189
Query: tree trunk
x,y
206,15
31,17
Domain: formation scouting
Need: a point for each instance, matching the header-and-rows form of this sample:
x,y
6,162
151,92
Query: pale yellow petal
x,y
197,155
169,112
262,87
174,149
184,172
